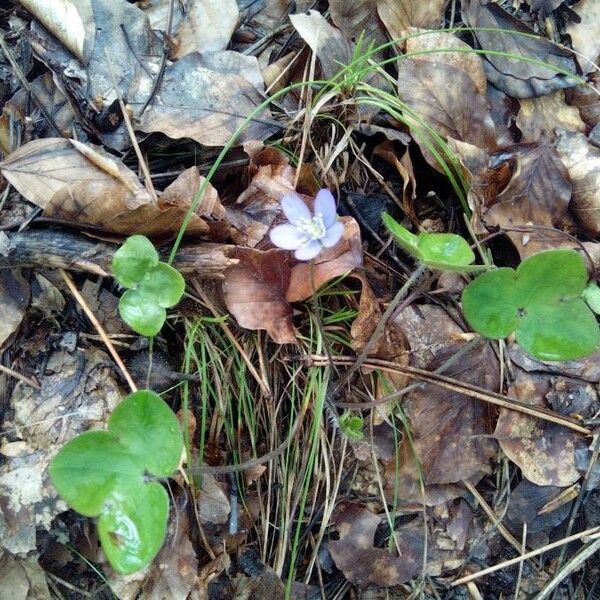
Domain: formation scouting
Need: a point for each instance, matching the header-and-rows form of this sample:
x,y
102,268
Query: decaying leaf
x,y
327,42
83,183
451,431
375,567
519,76
22,578
72,22
399,16
212,502
537,193
358,17
307,277
206,26
14,300
206,97
585,35
447,93
538,118
545,452
583,163
77,392
254,292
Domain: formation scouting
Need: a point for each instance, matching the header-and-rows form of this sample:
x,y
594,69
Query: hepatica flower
x,y
305,233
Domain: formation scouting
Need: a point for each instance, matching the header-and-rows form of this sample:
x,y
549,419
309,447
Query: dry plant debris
x,y
345,437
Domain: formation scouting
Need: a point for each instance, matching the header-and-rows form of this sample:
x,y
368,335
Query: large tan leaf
x,y
254,292
327,42
585,35
71,21
358,17
206,97
447,93
399,16
518,77
206,27
84,184
583,163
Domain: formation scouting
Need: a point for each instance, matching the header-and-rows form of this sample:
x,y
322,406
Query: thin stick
x,y
27,380
460,387
594,531
92,317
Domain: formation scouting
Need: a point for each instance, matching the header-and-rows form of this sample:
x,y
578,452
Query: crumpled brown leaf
x,y
447,91
14,300
518,77
254,292
399,16
526,185
83,183
583,163
545,452
206,97
362,563
22,578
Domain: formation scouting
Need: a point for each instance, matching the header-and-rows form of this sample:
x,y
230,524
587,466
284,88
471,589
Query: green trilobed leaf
x,y
351,426
141,312
133,525
103,473
591,295
90,467
133,260
164,284
150,431
541,302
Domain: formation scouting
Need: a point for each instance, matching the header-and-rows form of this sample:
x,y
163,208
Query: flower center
x,y
312,229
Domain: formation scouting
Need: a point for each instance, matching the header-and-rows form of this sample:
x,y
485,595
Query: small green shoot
x,y
542,301
152,286
105,474
441,251
351,426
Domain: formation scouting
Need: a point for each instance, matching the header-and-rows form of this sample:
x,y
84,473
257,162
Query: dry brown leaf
x,y
84,184
399,16
585,35
518,77
545,452
583,163
451,431
447,92
254,292
504,110
307,277
212,502
14,300
537,193
206,97
327,42
365,565
358,17
586,99
368,315
538,118
206,27
72,22
22,578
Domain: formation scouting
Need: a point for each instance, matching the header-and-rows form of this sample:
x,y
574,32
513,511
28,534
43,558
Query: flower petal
x,y
286,237
294,208
308,251
333,235
325,207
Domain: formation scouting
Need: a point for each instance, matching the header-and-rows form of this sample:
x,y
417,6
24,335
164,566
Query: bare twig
x,y
27,380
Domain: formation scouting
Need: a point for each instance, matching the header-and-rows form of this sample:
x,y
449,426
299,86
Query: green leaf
x,y
133,525
591,295
141,312
541,302
404,238
133,260
146,422
164,284
104,473
351,425
90,467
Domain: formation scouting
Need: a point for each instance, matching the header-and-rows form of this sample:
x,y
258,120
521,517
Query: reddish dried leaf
x,y
346,255
254,292
545,452
364,565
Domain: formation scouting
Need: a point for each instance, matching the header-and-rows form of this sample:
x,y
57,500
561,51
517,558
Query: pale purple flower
x,y
305,233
